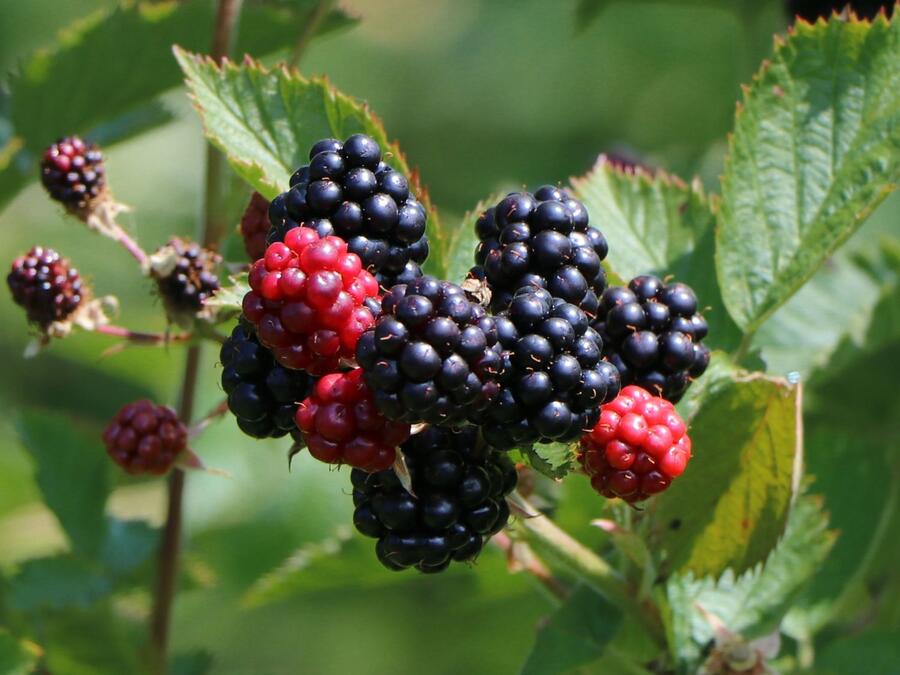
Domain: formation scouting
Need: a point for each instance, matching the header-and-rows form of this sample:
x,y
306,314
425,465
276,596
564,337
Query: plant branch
x,y
310,28
520,557
591,568
211,230
142,337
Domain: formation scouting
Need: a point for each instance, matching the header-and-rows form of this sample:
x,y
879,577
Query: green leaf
x,y
197,662
56,583
72,473
730,507
554,460
754,603
266,120
862,654
658,224
16,656
94,641
816,147
575,635
231,296
461,250
128,545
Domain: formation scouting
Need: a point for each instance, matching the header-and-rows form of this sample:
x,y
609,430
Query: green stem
x,y
310,28
594,571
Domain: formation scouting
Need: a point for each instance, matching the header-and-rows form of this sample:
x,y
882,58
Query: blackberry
x,y
540,240
637,448
347,190
45,285
432,356
553,378
810,10
72,172
185,275
145,438
652,332
310,300
262,395
255,226
457,503
341,424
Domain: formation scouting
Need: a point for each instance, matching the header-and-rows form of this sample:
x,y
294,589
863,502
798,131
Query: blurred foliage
x,y
485,96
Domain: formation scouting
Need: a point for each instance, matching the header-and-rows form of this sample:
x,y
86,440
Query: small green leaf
x,y
575,635
754,603
730,507
230,296
816,147
72,472
17,657
658,224
266,120
128,544
56,583
554,460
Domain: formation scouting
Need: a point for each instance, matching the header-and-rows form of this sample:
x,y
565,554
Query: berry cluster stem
x,y
142,337
211,231
592,569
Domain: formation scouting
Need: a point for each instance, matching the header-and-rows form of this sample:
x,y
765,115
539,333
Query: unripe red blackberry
x,y
540,240
262,395
72,172
347,190
185,275
553,379
46,286
652,333
341,424
255,226
308,301
639,445
432,356
458,502
145,438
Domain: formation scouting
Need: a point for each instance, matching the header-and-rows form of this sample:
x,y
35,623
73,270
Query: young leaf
x,y
816,147
575,635
554,460
266,120
754,603
730,507
72,472
17,657
56,583
658,224
231,296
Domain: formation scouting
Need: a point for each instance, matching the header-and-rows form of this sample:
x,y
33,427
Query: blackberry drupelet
x,y
255,226
432,356
145,438
553,377
72,172
637,448
347,190
652,333
185,275
262,395
459,487
540,240
44,284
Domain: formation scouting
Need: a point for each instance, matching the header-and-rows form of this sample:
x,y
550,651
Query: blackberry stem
x,y
592,569
210,232
141,337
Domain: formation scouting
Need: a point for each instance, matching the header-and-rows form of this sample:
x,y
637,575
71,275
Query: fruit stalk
x,y
211,230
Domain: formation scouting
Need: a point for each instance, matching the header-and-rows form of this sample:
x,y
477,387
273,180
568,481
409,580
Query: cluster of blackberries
x,y
652,333
553,379
145,438
347,190
262,395
46,286
540,240
456,501
72,172
185,276
432,356
255,227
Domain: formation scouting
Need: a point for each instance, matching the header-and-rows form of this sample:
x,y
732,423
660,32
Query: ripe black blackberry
x,y
44,284
185,275
813,9
262,395
347,190
459,487
432,356
652,332
553,377
72,172
541,240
